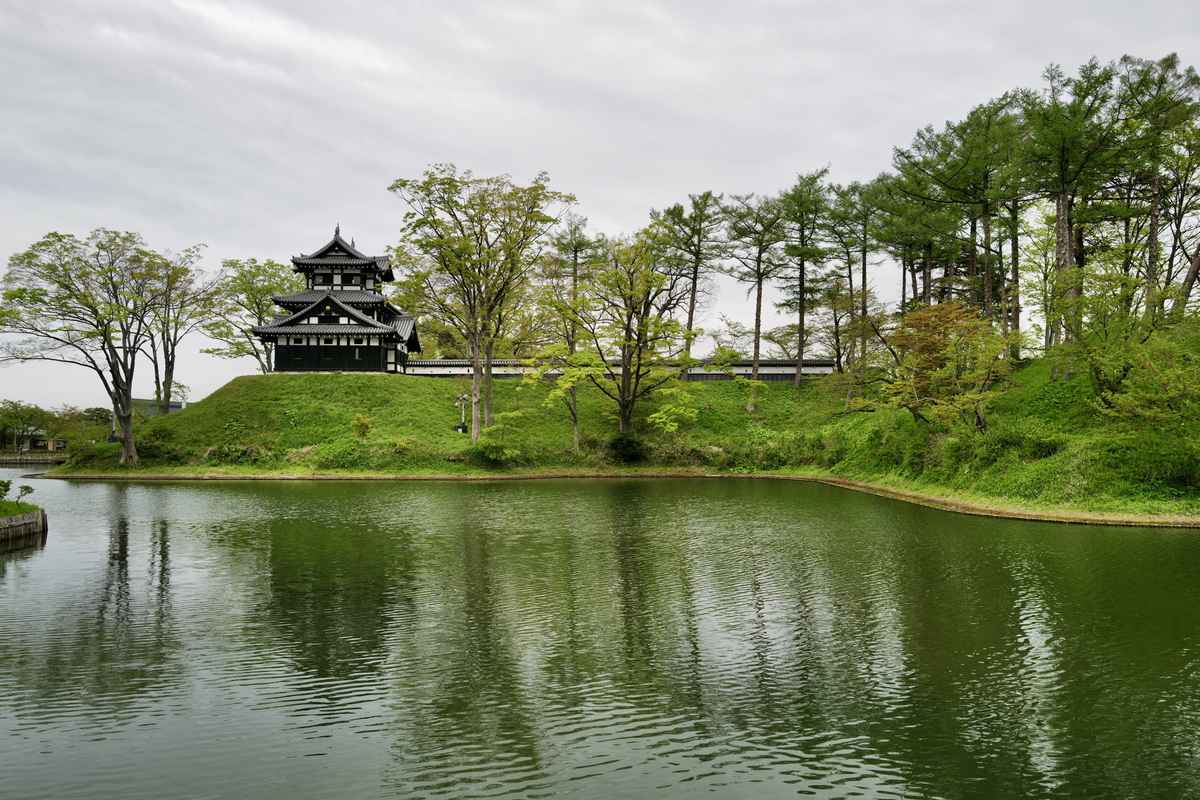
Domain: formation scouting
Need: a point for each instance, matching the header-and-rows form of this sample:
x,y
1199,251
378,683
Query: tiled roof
x,y
379,262
346,296
327,330
327,298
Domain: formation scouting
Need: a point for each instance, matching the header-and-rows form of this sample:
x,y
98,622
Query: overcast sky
x,y
254,127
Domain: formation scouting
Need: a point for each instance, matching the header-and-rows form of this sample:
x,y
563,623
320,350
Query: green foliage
x,y
1046,441
626,449
497,446
362,425
676,406
1161,389
242,299
951,365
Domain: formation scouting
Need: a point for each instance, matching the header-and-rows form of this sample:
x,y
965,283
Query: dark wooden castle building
x,y
341,321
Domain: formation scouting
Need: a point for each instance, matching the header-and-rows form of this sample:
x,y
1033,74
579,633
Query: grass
x,y
1047,446
11,508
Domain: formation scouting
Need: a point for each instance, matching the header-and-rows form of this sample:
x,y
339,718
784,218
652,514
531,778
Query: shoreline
x,y
958,504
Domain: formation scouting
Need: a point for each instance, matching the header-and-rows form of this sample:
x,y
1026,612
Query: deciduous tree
x,y
241,300
88,303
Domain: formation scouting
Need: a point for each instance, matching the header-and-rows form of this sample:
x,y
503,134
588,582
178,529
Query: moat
x,y
591,638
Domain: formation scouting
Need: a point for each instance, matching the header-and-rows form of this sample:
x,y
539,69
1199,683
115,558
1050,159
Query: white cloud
x,y
255,126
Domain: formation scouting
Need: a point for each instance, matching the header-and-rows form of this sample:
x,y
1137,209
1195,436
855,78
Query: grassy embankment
x,y
1047,449
11,508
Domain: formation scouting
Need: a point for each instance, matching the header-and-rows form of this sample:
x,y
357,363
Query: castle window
x,y
358,341
328,341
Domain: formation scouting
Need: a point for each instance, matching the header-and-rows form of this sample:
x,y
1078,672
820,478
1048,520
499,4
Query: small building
x,y
40,440
341,322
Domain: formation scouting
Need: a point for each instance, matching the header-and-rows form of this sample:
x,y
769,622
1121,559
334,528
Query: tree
x,y
805,205
694,235
19,421
185,303
241,299
1070,137
567,273
472,243
834,309
949,363
88,303
733,338
756,231
1159,99
631,343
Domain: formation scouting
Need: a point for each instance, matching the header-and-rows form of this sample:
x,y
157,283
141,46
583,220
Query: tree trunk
x,y
973,261
850,290
691,312
476,382
862,308
988,278
168,386
1064,260
573,406
123,414
927,277
489,348
1153,301
903,281
1080,256
758,295
1014,293
801,308
1189,283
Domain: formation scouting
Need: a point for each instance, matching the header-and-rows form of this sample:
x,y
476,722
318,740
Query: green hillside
x,y
1047,444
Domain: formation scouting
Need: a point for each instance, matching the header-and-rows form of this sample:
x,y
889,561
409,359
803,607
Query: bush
x,y
492,453
627,449
1155,458
238,454
361,425
5,487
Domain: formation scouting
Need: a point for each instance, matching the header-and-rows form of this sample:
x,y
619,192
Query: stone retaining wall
x,y
23,530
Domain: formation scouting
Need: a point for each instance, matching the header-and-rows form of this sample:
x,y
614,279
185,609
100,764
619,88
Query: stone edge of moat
x,y
959,505
23,530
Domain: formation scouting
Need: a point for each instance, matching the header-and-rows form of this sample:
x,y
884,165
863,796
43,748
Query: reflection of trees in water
x,y
460,689
326,592
114,643
898,645
9,559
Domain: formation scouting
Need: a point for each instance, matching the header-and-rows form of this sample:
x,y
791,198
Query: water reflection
x,y
601,639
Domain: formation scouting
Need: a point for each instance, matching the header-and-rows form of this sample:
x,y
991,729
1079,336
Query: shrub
x,y
627,449
489,452
5,487
361,425
238,454
337,454
1155,458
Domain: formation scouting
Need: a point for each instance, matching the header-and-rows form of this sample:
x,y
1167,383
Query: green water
x,y
588,639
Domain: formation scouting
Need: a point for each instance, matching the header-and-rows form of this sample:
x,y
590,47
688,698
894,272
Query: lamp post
x,y
461,402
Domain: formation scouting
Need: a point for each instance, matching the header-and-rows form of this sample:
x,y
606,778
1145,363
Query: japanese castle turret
x,y
341,321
